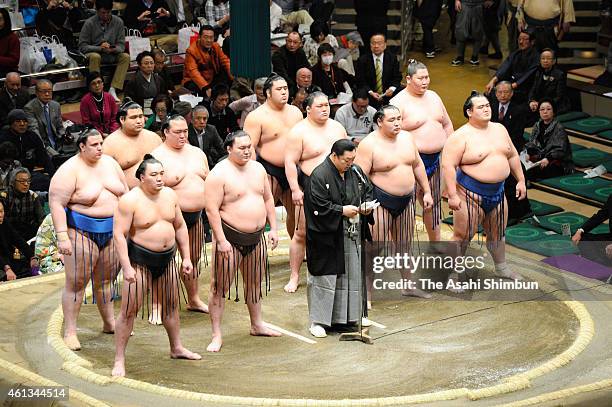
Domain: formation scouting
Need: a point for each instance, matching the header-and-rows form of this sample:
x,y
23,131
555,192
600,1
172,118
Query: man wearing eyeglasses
x,y
45,117
31,150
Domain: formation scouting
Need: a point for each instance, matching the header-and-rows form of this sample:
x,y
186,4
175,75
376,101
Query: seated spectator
x,y
205,64
146,85
102,39
218,15
303,80
154,20
289,58
249,103
357,117
378,71
45,248
45,117
52,19
550,144
319,34
221,116
549,83
8,162
289,17
12,96
22,206
159,56
326,74
276,12
596,247
347,54
9,45
184,109
98,108
31,152
16,257
162,105
518,68
205,137
182,10
299,99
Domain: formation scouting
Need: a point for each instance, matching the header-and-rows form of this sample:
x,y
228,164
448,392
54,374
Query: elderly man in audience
x,y
102,39
205,136
45,117
221,116
98,108
159,56
303,80
289,58
31,151
12,96
549,82
205,63
249,103
357,117
146,85
22,206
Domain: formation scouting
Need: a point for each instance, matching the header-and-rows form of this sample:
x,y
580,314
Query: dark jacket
x,y
225,122
136,7
333,83
286,63
212,144
550,85
519,67
135,90
515,121
31,150
551,143
9,240
24,211
604,214
325,194
7,104
365,72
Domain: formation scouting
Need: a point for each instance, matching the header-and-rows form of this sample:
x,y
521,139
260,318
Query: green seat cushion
x,y
590,125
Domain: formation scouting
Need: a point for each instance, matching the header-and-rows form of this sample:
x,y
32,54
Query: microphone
x,y
358,173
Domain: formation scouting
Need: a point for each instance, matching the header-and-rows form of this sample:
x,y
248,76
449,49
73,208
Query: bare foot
x,y
198,307
263,330
415,292
109,328
182,353
72,342
118,369
215,344
155,318
292,285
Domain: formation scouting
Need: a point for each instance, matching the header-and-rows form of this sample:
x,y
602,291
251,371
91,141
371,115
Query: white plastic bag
x,y
186,36
135,44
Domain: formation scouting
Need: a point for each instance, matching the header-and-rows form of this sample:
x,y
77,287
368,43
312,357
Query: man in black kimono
x,y
333,238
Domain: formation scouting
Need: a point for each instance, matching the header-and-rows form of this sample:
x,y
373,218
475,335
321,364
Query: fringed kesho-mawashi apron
x,y
432,168
250,248
99,232
398,219
195,227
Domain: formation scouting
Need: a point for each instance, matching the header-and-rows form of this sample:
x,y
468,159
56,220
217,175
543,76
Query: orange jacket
x,y
201,66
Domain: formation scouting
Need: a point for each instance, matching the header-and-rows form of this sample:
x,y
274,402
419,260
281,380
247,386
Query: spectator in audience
x,y
326,74
428,13
319,34
184,109
249,103
596,247
347,54
205,136
16,257
518,68
182,10
276,12
378,71
289,58
493,17
162,105
303,80
159,56
205,64
22,206
8,162
154,20
220,115
513,116
45,117
52,19
549,145
12,96
371,18
218,15
469,25
321,10
31,151
290,17
146,84
102,39
98,108
9,45
549,82
544,18
357,117
298,100
45,248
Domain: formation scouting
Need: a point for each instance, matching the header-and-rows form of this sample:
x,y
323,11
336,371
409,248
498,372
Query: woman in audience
x,y
45,249
549,82
326,74
98,108
319,34
22,207
162,106
9,45
16,257
147,84
549,145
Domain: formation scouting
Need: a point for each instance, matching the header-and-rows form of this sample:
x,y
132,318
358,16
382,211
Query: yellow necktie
x,y
379,87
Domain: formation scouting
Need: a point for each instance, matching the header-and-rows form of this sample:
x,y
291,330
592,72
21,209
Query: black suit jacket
x,y
365,72
212,144
6,103
600,217
515,121
282,66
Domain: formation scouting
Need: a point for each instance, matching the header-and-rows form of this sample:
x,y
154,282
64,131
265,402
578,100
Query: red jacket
x,y
90,114
9,53
201,67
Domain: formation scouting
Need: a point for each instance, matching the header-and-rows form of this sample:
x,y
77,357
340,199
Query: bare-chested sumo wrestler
x,y
268,126
83,196
148,224
238,203
308,145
